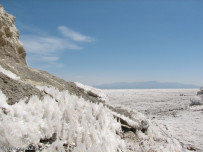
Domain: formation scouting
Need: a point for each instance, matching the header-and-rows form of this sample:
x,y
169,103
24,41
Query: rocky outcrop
x,y
13,58
199,100
200,92
11,47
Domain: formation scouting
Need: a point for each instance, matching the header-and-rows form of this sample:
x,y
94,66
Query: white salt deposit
x,y
100,93
9,73
86,126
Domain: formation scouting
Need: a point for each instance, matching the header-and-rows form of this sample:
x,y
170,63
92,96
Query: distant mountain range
x,y
146,85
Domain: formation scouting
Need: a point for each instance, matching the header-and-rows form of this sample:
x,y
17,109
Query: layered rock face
x,y
46,113
11,47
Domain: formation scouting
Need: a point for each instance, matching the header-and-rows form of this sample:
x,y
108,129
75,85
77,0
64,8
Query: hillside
x,y
41,112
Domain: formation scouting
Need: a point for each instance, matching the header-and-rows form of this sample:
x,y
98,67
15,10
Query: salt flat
x,y
167,107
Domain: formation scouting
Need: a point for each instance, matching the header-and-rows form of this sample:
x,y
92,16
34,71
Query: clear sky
x,y
104,41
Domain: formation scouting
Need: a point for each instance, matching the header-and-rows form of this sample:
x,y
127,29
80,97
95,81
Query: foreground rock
x,y
197,101
200,93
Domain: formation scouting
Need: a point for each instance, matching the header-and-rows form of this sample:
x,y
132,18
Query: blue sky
x,y
97,42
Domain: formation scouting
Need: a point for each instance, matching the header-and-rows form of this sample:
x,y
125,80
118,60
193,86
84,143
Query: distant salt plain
x,y
167,107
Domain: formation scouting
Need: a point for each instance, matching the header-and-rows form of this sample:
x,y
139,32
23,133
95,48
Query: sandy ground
x,y
169,108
